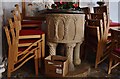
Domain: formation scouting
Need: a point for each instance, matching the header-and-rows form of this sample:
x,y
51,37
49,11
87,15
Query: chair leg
x,y
9,73
110,65
9,69
98,54
36,63
97,61
10,64
43,46
39,55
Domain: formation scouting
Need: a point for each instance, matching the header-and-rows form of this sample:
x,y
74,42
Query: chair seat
x,y
30,32
21,41
117,50
21,49
113,24
31,22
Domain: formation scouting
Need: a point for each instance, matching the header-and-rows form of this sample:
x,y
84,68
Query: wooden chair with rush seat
x,y
27,44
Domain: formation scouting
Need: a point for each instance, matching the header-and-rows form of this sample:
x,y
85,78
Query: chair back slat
x,y
103,9
15,18
12,29
99,16
14,38
8,36
17,10
94,32
115,37
96,23
94,38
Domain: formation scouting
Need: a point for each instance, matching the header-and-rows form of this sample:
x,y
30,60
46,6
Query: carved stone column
x,y
69,48
52,48
77,59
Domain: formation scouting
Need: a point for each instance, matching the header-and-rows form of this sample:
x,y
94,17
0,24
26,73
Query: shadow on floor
x,y
27,71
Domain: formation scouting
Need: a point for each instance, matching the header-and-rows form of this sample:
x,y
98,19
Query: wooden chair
x,y
106,37
36,33
101,10
115,50
94,39
105,28
23,46
104,9
26,23
99,16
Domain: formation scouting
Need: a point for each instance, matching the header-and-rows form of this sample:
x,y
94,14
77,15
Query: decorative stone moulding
x,y
65,28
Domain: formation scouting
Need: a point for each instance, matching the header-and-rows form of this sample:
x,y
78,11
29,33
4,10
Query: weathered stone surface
x,y
80,71
67,29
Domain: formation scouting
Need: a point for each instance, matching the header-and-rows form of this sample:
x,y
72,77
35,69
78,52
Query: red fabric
x,y
112,24
21,49
117,50
31,22
30,32
28,40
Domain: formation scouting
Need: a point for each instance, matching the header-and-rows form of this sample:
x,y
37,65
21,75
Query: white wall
x,y
1,19
8,6
113,10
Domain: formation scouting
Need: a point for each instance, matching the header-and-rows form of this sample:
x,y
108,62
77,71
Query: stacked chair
x,y
24,44
94,37
97,38
107,32
113,37
101,9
